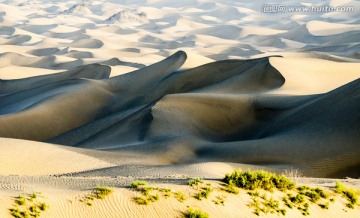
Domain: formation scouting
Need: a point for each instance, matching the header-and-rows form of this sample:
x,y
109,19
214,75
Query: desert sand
x,y
107,92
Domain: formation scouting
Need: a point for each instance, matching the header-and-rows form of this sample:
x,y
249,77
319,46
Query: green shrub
x,y
324,206
180,196
251,180
203,193
350,194
137,183
315,194
146,200
43,206
21,200
298,199
15,212
287,202
196,213
101,192
254,194
220,200
195,181
33,196
141,200
231,188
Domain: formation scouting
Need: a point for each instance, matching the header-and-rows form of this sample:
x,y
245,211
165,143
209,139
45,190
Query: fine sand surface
x,y
108,92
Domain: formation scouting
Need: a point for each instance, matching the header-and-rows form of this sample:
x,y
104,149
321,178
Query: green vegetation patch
x,y
99,192
26,206
349,193
196,213
251,180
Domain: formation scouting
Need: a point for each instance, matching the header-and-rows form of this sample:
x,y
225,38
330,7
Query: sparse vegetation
x,y
203,193
21,200
350,194
324,206
180,196
43,206
137,183
99,192
314,194
251,180
231,188
146,200
258,183
196,213
195,181
28,206
220,200
262,204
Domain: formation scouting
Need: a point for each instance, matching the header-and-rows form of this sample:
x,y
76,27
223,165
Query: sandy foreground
x,y
108,92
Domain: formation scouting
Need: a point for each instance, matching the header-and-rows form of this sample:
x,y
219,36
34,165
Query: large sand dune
x,y
104,92
219,111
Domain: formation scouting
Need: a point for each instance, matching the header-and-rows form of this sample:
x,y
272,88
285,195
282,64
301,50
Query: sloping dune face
x,y
221,111
163,82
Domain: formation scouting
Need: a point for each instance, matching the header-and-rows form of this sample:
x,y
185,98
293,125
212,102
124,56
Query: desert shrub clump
x,y
28,206
99,192
137,183
350,194
195,181
314,194
196,213
251,180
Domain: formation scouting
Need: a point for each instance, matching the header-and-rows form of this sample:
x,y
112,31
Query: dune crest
x,y
207,112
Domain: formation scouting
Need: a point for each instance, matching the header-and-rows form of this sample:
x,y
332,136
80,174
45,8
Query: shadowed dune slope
x,y
321,137
153,83
220,111
92,71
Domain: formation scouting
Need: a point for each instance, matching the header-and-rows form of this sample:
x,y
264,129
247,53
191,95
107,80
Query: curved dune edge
x,y
226,111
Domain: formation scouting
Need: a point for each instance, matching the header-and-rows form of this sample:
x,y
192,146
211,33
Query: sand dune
x,y
198,111
106,92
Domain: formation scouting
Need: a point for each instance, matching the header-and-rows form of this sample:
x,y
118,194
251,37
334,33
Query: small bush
x,y
43,206
196,213
33,196
251,180
204,193
137,183
287,202
180,196
146,200
350,194
166,192
254,194
15,212
195,181
324,206
29,206
315,194
298,199
101,192
141,200
220,200
231,188
21,200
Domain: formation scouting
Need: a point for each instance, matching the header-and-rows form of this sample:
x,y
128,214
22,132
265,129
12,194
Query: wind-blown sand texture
x,y
107,92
